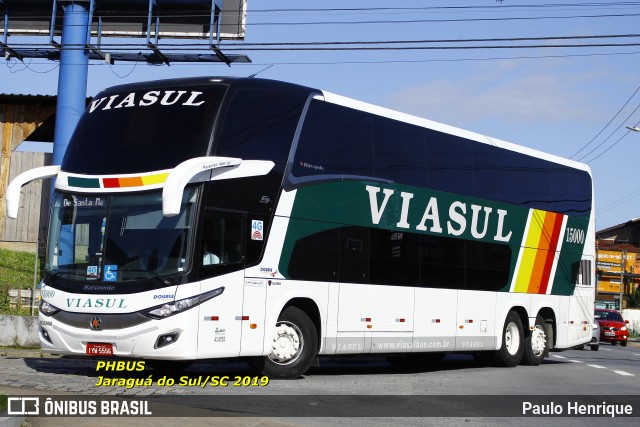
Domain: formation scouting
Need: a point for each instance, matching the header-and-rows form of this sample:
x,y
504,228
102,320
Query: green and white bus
x,y
235,217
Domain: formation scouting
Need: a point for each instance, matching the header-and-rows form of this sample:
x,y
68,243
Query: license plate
x,y
99,349
609,334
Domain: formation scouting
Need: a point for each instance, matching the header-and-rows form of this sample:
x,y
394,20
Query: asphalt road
x,y
340,388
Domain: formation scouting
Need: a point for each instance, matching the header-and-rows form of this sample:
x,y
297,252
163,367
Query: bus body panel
x,y
254,313
220,319
367,308
435,319
476,320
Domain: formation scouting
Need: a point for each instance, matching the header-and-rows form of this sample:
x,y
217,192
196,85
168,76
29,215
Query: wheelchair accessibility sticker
x,y
110,273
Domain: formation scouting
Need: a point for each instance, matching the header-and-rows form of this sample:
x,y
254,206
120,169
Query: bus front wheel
x,y
294,346
510,353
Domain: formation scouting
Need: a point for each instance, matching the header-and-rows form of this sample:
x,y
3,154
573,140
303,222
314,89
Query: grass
x,y
16,272
16,269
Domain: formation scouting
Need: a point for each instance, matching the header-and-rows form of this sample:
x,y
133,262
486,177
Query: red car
x,y
613,328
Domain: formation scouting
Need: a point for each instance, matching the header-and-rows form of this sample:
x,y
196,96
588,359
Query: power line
x,y
607,125
402,61
619,202
610,135
436,21
503,6
182,48
374,42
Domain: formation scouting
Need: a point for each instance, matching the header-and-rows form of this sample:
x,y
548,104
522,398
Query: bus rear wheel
x,y
294,346
535,345
510,353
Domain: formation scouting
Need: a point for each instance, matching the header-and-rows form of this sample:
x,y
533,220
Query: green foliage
x,y
3,403
16,269
634,298
16,272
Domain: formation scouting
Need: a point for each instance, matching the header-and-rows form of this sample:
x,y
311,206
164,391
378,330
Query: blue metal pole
x,y
72,77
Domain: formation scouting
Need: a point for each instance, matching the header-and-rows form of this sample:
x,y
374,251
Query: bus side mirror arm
x,y
201,169
13,190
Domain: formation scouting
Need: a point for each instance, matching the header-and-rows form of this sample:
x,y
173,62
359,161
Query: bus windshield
x,y
118,238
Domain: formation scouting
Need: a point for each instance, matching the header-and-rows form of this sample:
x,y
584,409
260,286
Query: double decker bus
x,y
236,217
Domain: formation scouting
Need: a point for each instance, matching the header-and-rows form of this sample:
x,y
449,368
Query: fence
x,y
24,298
14,294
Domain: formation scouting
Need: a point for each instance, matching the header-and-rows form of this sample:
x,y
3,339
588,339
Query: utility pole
x,y
72,76
623,262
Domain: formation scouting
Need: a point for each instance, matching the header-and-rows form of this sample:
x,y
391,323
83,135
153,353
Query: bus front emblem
x,y
96,323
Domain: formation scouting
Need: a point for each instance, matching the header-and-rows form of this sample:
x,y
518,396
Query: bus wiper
x,y
151,272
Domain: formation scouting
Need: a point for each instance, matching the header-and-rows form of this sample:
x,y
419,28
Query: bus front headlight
x,y
48,309
169,309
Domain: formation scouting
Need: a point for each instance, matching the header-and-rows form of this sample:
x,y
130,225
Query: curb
x,y
11,421
24,352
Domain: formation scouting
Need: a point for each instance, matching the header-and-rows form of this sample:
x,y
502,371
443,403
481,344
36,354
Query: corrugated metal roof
x,y
15,97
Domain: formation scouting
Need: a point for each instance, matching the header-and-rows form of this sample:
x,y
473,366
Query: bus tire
x,y
510,352
483,358
294,346
535,344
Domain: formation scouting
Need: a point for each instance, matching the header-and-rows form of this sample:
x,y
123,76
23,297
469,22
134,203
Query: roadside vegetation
x,y
16,272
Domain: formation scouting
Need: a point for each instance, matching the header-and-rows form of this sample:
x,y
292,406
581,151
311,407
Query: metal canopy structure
x,y
75,29
210,20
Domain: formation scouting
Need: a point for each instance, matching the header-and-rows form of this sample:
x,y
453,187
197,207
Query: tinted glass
x,y
442,262
315,257
334,141
118,238
488,265
449,163
260,124
163,126
493,171
354,255
395,258
400,152
222,243
385,257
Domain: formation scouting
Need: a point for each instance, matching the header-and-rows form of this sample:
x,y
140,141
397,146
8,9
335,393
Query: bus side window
x,y
354,254
222,241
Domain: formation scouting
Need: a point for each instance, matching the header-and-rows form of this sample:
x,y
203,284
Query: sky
x,y
573,102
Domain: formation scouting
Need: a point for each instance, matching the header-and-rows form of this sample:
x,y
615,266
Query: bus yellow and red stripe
x,y
537,257
111,182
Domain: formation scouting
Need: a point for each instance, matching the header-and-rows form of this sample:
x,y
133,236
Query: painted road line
x,y
626,374
597,366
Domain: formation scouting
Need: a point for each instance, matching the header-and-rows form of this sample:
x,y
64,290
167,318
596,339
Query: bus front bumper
x,y
165,339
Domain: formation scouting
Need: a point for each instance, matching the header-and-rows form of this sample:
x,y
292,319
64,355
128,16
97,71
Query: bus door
x,y
374,308
222,261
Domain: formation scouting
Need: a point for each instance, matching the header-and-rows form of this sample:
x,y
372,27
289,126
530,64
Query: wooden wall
x,y
18,119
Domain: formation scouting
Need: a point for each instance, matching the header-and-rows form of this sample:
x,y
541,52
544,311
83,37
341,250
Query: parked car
x,y
613,328
595,338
